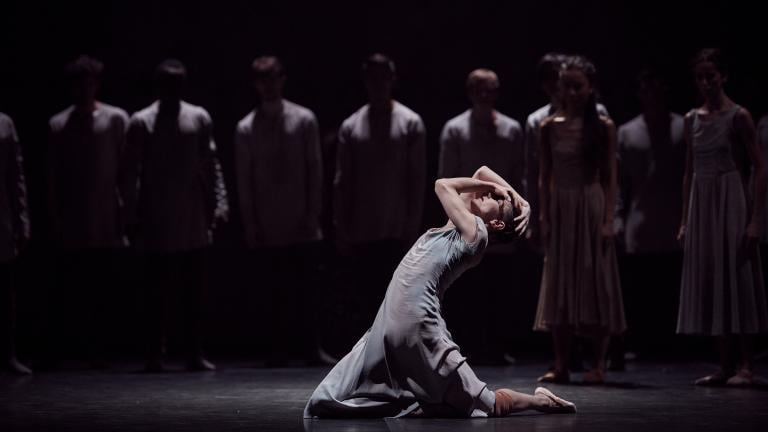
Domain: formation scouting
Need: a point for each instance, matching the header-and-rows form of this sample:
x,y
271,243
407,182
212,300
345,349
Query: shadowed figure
x,y
279,183
481,135
651,155
580,289
722,291
14,234
547,77
378,190
175,196
85,148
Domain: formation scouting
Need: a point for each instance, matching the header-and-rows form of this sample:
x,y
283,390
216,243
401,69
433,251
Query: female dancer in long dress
x,y
407,362
580,290
722,293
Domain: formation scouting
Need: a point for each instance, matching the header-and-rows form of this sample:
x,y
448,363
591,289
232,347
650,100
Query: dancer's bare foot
x,y
199,364
17,368
594,377
716,379
553,404
743,378
555,377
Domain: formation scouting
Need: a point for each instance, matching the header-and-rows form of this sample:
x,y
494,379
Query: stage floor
x,y
651,397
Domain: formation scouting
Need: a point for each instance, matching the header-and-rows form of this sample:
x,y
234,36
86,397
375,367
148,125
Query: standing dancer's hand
x,y
681,233
753,234
608,232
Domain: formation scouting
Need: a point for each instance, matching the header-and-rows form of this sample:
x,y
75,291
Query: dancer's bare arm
x,y
688,173
745,127
522,206
608,178
545,179
448,192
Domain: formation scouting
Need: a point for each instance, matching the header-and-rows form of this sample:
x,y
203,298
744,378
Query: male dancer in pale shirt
x,y
379,187
279,166
762,142
650,163
86,145
483,136
175,195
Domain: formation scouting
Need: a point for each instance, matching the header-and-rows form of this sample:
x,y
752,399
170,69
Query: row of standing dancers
x,y
407,363
569,149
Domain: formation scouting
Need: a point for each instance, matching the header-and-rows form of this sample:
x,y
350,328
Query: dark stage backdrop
x,y
434,43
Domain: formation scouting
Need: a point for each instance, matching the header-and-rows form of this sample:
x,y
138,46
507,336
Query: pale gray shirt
x,y
380,177
84,157
650,176
466,145
172,182
279,176
14,220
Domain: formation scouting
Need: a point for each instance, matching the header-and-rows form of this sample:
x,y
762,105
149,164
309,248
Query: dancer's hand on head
x,y
500,192
523,219
494,191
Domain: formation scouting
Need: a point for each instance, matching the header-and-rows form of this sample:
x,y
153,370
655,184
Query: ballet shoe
x,y
714,380
15,367
154,366
199,364
594,377
557,405
555,377
743,378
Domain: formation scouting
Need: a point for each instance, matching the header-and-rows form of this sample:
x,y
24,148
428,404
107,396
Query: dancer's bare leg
x,y
724,351
747,355
509,401
597,374
561,340
726,364
745,375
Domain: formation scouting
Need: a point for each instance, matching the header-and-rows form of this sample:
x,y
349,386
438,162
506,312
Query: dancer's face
x,y
379,83
484,93
84,89
709,80
170,88
488,207
575,89
549,85
269,86
652,94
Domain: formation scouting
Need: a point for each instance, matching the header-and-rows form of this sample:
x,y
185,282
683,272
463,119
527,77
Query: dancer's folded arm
x,y
449,192
522,206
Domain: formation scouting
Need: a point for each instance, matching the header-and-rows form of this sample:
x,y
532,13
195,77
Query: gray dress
x,y
580,286
722,285
407,359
